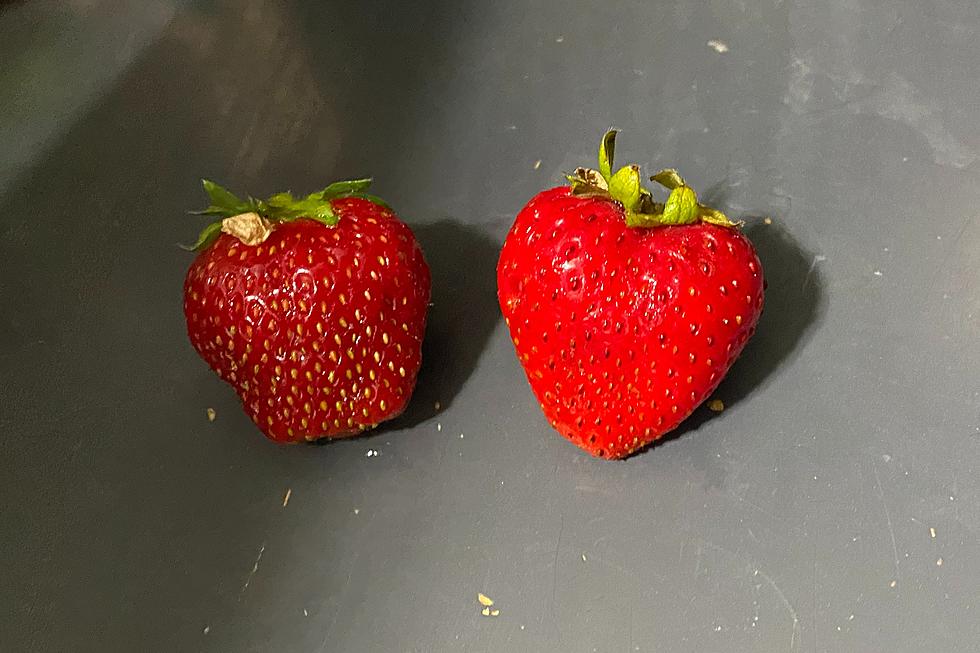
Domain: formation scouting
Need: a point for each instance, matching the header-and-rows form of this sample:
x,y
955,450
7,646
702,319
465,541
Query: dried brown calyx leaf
x,y
250,228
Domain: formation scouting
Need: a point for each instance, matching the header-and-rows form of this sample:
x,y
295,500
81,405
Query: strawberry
x,y
625,313
312,308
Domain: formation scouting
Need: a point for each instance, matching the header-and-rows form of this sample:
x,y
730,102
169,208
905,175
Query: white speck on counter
x,y
877,273
371,453
211,414
537,164
438,426
939,563
438,405
559,39
461,436
718,46
584,559
255,569
207,629
285,499
305,613
893,583
932,532
357,511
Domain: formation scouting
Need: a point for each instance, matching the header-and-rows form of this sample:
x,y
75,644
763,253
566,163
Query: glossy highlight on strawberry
x,y
625,314
318,326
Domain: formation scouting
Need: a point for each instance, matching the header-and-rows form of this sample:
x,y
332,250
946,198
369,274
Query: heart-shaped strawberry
x,y
625,313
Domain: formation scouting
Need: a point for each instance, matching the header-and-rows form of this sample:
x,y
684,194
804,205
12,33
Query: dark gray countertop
x,y
834,506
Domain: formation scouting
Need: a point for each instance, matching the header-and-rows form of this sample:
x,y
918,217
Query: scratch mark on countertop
x,y
255,569
554,582
789,607
888,517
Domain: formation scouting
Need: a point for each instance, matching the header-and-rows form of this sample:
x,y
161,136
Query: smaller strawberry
x,y
312,308
625,313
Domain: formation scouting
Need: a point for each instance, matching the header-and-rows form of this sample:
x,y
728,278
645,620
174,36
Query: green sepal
x,y
607,150
207,236
220,196
669,178
625,187
280,207
712,216
639,207
343,188
681,206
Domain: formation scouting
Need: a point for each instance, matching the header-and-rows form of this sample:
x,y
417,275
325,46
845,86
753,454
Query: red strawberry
x,y
624,312
313,309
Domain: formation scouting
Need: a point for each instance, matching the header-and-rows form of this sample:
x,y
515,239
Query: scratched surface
x,y
835,504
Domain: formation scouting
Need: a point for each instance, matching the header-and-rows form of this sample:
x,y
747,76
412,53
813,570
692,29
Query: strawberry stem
x,y
624,186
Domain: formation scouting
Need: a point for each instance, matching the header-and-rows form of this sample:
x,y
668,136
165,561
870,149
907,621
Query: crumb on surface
x,y
716,405
211,414
768,220
718,46
207,629
357,511
285,499
939,563
537,164
932,532
438,427
484,599
893,583
584,559
494,613
485,612
438,405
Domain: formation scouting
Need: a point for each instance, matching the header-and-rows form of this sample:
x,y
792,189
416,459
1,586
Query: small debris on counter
x,y
211,414
718,46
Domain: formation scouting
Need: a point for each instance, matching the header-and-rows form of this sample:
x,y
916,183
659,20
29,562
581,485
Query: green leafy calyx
x,y
625,186
257,217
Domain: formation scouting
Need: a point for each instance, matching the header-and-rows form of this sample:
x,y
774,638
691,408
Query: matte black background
x,y
797,520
